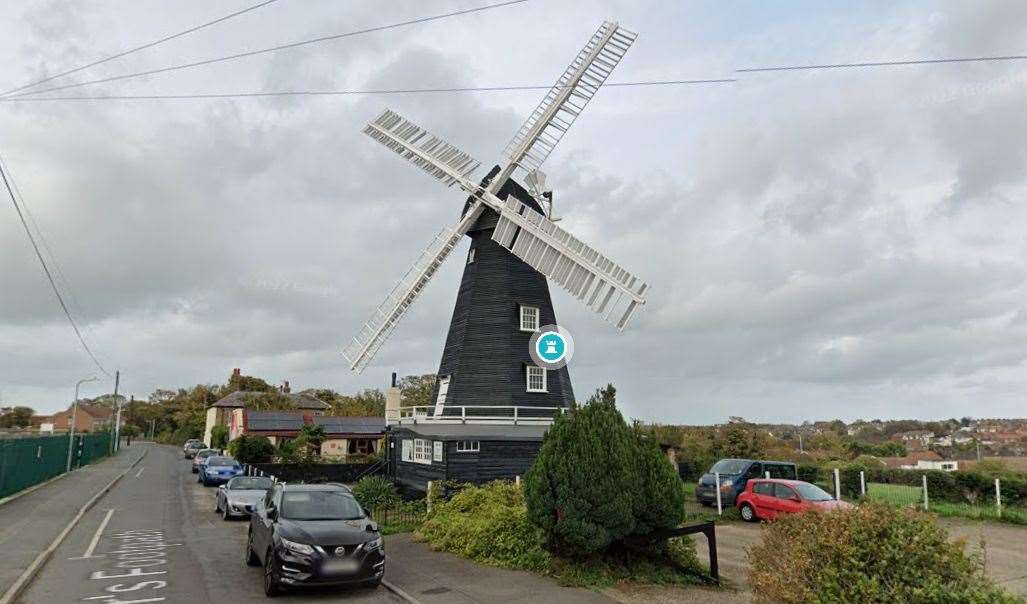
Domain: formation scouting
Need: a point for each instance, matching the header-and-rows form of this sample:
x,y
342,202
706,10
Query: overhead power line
x,y
883,63
46,269
138,48
272,49
385,91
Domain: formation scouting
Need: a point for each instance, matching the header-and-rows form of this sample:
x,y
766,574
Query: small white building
x,y
945,465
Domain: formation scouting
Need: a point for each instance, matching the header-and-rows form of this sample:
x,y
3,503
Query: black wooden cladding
x,y
486,353
496,460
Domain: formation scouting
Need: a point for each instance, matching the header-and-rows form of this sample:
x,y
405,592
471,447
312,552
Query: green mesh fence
x,y
25,462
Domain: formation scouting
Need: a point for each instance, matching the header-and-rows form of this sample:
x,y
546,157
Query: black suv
x,y
314,534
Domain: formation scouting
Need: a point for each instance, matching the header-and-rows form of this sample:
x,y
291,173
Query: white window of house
x,y
529,318
408,450
470,256
422,451
468,446
536,378
440,400
438,451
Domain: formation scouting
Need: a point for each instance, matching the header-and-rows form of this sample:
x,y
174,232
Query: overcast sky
x,y
820,244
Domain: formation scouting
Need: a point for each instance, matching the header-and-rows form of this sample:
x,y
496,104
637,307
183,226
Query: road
x,y
191,554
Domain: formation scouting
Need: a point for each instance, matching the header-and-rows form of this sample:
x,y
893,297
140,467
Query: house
x,y
476,453
345,436
946,465
911,460
915,440
88,418
221,412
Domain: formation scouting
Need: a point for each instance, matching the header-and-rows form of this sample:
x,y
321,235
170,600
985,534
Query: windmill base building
x,y
492,402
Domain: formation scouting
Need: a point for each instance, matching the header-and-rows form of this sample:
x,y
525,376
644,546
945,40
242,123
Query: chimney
x,y
285,387
236,372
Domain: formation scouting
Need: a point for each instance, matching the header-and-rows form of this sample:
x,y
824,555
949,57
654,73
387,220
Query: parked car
x,y
313,534
218,469
191,447
734,474
240,495
200,455
766,499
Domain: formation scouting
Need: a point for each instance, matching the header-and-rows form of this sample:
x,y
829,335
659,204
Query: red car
x,y
764,499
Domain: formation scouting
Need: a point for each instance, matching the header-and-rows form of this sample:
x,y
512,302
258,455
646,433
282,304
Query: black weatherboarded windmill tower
x,y
492,403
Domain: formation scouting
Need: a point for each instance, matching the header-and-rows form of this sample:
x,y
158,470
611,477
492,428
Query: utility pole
x,y
117,416
71,425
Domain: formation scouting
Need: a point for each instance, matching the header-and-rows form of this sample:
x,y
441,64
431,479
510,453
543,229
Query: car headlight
x,y
374,543
299,548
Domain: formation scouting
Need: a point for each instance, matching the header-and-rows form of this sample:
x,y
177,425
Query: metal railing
x,y
474,414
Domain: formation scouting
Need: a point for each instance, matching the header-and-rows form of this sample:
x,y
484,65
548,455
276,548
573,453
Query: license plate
x,y
340,567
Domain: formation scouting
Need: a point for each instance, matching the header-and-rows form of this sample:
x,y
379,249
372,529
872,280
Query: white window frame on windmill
x,y
533,318
528,370
423,450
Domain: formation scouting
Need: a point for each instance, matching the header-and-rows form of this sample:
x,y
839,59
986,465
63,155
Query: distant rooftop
x,y
238,398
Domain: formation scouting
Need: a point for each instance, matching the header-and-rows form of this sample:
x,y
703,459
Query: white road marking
x,y
140,472
96,538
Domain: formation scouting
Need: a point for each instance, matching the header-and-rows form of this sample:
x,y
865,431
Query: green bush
x,y
595,481
808,472
487,524
251,449
872,553
219,437
375,492
661,503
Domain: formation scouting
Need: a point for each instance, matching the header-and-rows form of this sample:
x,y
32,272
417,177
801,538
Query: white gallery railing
x,y
473,414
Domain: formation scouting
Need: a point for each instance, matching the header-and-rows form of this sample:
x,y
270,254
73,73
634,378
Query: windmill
x,y
515,246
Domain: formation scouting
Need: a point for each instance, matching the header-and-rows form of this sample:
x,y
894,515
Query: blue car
x,y
734,474
218,469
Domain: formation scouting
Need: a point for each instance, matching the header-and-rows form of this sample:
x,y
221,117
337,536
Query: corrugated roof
x,y
264,421
301,401
350,425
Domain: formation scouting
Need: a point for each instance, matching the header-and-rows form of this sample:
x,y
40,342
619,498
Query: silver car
x,y
240,495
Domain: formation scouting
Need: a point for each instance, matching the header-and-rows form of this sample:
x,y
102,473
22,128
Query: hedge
x,y
957,487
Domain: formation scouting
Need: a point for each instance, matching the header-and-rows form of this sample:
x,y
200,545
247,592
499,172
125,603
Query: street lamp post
x,y
71,425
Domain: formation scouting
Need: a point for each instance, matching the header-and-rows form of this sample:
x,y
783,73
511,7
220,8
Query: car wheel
x,y
217,504
706,504
272,587
748,514
251,556
373,583
225,515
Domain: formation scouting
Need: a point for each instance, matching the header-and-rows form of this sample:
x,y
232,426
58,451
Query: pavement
x,y
431,576
199,557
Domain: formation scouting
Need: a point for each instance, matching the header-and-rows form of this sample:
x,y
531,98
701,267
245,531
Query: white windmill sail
x,y
575,266
425,150
565,101
446,163
387,315
552,251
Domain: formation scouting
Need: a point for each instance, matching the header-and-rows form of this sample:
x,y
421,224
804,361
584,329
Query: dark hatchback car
x,y
314,534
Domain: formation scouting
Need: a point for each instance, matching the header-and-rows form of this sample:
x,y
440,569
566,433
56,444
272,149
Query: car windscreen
x,y
729,466
320,505
250,483
221,461
811,492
